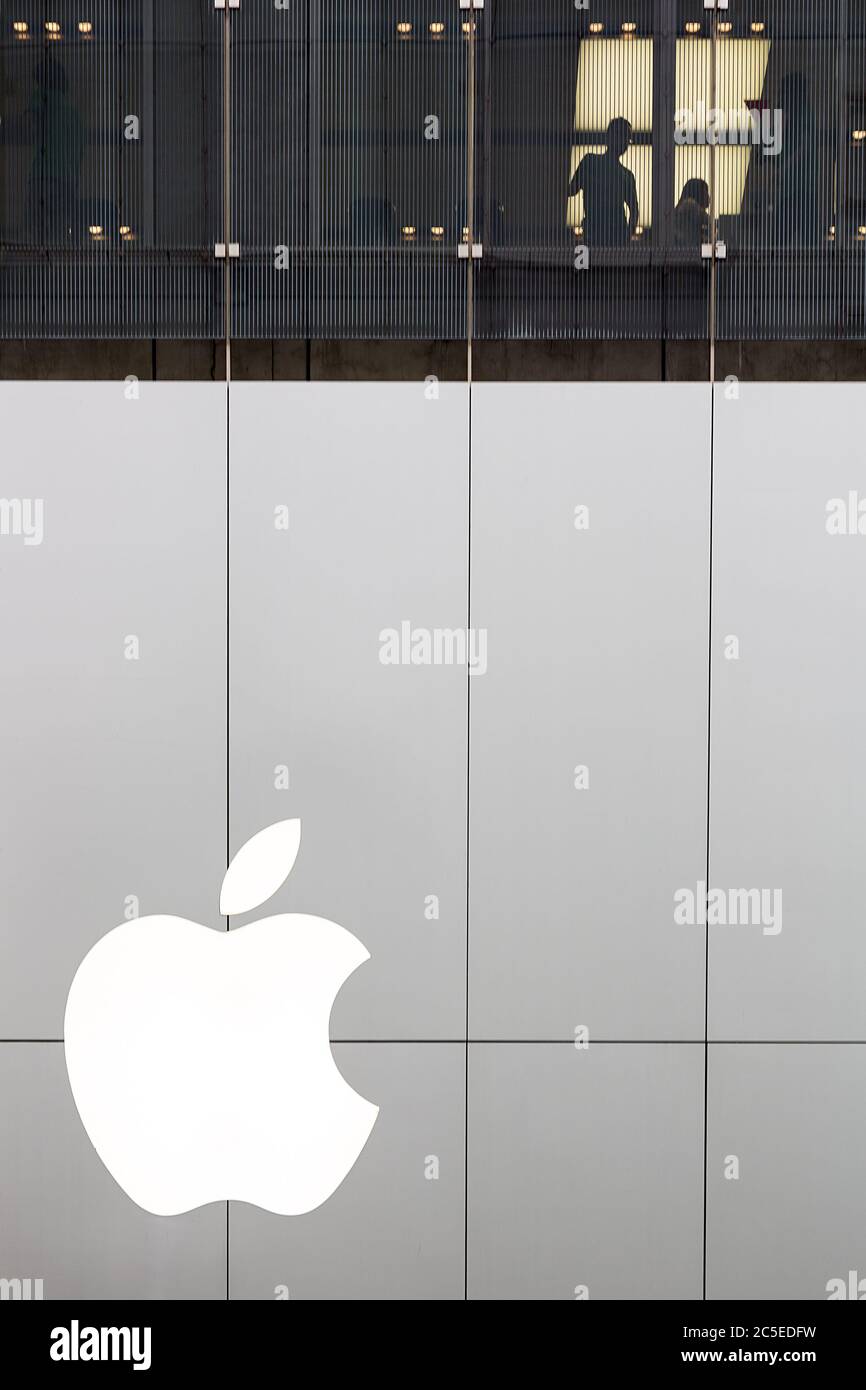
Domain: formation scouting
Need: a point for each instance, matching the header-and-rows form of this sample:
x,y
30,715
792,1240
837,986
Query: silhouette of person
x,y
58,150
691,221
796,208
608,189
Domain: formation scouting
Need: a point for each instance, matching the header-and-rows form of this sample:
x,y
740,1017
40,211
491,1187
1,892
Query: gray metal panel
x,y
375,479
392,1230
795,1218
597,657
114,770
788,732
64,1220
585,1169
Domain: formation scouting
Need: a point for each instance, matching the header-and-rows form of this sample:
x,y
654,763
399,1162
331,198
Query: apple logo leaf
x,y
260,867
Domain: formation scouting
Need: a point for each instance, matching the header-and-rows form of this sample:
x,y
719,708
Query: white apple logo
x,y
200,1061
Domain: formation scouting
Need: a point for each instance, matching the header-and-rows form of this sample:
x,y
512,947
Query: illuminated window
x,y
741,71
615,82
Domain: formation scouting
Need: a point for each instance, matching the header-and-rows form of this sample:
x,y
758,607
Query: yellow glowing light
x,y
404,26
758,26
859,134
51,26
693,26
596,27
725,27
438,231
408,231
85,26
96,231
437,27
740,67
20,26
614,79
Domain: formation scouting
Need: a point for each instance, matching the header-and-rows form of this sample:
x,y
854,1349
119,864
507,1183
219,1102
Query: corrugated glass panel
x,y
111,160
576,171
612,147
349,169
777,170
851,222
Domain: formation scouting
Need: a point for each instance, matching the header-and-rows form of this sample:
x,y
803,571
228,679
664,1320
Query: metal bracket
x,y
715,4
463,251
219,251
707,250
233,250
221,4
721,251
472,4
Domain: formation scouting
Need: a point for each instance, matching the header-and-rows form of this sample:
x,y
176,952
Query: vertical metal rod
x,y
714,220
227,186
470,190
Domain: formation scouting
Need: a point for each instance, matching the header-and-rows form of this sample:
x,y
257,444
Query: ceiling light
x,y
438,231
858,134
85,26
404,26
629,27
437,27
96,230
725,26
52,27
693,26
758,26
596,27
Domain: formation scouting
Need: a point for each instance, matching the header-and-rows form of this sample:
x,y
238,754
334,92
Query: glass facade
x,y
111,169
399,169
